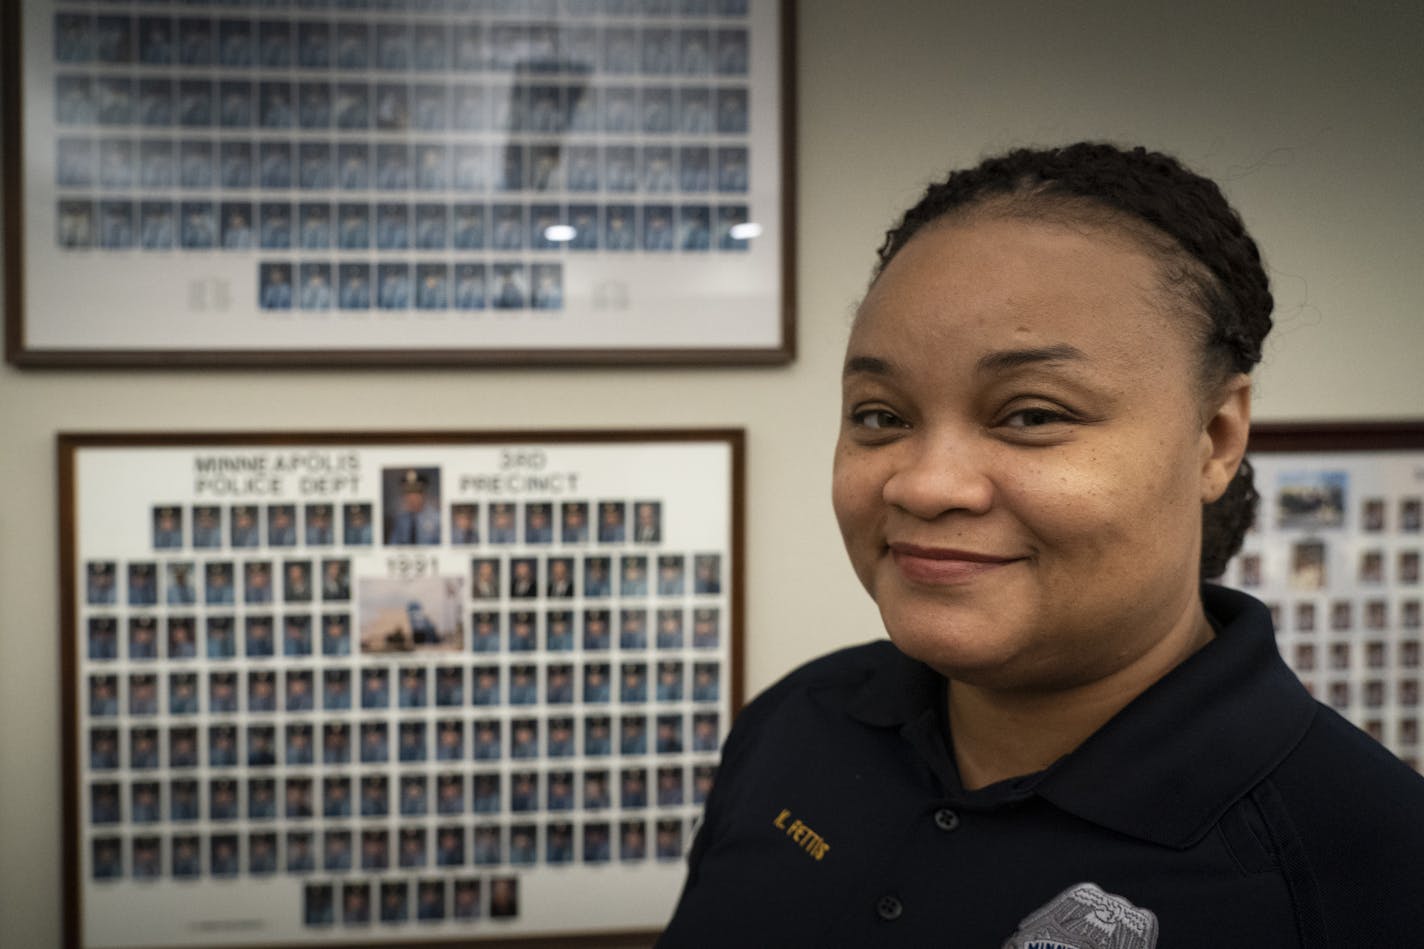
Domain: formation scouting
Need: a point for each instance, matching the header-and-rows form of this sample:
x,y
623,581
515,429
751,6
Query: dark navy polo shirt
x,y
1224,800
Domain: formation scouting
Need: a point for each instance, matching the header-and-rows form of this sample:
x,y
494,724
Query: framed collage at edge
x,y
392,688
1335,554
376,182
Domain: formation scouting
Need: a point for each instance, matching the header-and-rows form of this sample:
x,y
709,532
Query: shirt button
x,y
889,908
946,820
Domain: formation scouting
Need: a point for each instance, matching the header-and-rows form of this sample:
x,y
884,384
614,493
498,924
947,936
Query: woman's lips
x,y
943,565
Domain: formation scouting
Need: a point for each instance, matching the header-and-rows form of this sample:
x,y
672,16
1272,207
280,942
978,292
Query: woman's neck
x,y
1006,733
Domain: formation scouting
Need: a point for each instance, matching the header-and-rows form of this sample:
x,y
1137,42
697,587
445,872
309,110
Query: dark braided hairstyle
x,y
1206,258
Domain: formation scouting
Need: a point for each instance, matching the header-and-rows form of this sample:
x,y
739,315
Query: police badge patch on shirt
x,y
1084,917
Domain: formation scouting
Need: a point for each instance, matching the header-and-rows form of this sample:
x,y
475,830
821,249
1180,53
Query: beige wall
x,y
1309,113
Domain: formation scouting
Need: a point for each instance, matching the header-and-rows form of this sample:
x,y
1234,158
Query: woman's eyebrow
x,y
867,364
1005,360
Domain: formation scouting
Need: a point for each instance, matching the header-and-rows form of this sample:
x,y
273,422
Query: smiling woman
x,y
1069,740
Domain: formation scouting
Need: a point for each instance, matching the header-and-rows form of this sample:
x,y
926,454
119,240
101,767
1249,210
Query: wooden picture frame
x,y
1335,553
388,688
453,182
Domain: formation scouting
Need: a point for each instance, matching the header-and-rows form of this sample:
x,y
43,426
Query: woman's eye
x,y
876,419
1034,418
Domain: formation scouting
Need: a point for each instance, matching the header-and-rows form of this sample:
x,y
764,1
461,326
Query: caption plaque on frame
x,y
1335,554
368,182
376,689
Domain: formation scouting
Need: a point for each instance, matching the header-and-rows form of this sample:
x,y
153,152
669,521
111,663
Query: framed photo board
x,y
1336,555
369,182
392,688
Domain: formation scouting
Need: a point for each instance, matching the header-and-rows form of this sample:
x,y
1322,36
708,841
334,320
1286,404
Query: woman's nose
x,y
937,476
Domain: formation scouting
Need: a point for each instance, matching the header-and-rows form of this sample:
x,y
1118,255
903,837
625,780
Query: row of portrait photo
x,y
413,518
259,691
255,636
1347,616
215,582
419,44
1309,567
425,286
1315,500
362,108
330,742
618,168
347,850
110,224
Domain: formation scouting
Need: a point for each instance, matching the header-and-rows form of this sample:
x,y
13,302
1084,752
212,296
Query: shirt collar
x,y
1167,766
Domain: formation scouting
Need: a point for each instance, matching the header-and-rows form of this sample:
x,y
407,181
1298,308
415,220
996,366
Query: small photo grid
x,y
490,140
1335,554
402,704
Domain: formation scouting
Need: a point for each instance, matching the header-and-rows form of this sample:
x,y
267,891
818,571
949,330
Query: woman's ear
x,y
1224,435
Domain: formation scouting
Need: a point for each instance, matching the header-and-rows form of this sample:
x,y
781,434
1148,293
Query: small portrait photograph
x,y
355,294
1249,573
485,631
412,503
315,234
412,689
299,697
632,841
207,526
706,628
1409,692
199,226
261,799
374,742
669,686
183,747
395,902
237,225
275,229
1342,615
236,164
597,634
375,797
237,104
353,166
412,847
559,583
335,580
183,693
237,44
156,163
633,575
392,167
430,899
196,107
1376,655
671,788
1408,569
633,682
222,799
100,588
1409,731
261,692
297,581
468,227
464,524
559,843
504,898
559,631
221,639
1371,567
597,576
222,746
261,746
1339,695
671,575
734,232
1376,614
104,749
355,904
275,286
335,634
182,637
702,777
275,164
524,577
1374,698
1305,617
450,686
335,736
143,697
431,226
597,731
432,286
488,742
523,732
1308,565
143,745
259,639
75,227
633,629
108,855
510,289
707,573
469,287
430,107
217,583
485,584
1340,656
375,687
257,582
158,229
1410,512
669,839
632,740
523,632
301,852
1372,516
466,903
503,526
318,525
353,45
168,527
105,806
104,638
143,584
705,731
314,45
224,855
393,286
356,525
668,738
351,106
1311,499
116,225
375,850
432,167
394,48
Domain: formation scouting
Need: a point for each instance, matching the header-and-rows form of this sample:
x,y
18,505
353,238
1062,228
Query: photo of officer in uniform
x,y
412,503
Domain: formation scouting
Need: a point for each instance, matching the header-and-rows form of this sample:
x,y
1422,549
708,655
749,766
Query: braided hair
x,y
1206,258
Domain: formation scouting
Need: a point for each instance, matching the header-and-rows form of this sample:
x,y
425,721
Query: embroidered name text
x,y
806,838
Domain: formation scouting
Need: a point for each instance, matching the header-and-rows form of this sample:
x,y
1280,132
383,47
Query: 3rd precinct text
x,y
274,474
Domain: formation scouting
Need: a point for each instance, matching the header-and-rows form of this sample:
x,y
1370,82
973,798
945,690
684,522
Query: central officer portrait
x,y
1071,737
